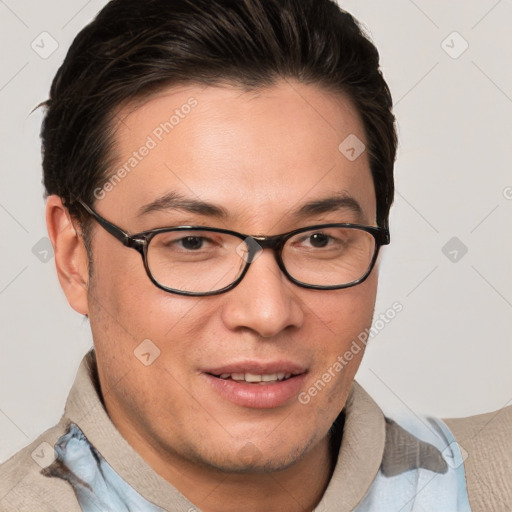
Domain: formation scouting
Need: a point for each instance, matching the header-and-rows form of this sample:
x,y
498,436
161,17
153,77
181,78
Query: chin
x,y
249,458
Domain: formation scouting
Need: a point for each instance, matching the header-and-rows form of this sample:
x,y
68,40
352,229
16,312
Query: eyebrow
x,y
335,203
176,201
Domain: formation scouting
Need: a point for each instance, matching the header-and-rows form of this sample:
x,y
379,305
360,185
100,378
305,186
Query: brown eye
x,y
192,243
319,240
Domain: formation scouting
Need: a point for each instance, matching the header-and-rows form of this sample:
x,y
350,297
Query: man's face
x,y
259,156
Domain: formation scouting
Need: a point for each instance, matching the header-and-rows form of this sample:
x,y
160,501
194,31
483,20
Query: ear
x,y
70,254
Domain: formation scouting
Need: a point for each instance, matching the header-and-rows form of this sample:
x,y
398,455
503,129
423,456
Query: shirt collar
x,y
360,455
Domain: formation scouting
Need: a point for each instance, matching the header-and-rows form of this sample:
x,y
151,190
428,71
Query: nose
x,y
264,301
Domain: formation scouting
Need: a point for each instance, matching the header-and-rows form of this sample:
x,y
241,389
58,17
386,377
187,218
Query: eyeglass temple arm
x,y
118,233
384,236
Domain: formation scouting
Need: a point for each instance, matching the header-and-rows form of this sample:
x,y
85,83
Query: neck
x,y
298,488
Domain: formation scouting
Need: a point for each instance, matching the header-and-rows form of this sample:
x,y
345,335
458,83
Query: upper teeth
x,y
252,377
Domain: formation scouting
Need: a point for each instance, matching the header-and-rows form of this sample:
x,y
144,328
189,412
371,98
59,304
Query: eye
x,y
319,239
323,242
187,242
192,243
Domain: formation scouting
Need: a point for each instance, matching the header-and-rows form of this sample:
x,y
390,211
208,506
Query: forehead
x,y
257,154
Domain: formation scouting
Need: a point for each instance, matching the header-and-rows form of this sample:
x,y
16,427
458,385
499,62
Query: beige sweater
x,y
486,438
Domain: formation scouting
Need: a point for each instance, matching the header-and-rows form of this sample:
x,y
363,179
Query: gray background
x,y
448,353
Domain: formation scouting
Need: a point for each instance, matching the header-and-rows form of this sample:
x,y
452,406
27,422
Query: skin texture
x,y
260,155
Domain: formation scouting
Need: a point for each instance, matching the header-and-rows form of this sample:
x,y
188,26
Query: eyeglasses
x,y
201,261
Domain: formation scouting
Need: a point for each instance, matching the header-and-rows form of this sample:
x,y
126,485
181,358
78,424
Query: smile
x,y
254,378
257,385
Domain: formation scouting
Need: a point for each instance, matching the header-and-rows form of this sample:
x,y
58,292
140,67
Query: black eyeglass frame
x,y
140,242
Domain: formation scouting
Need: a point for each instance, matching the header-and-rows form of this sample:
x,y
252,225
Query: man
x,y
219,178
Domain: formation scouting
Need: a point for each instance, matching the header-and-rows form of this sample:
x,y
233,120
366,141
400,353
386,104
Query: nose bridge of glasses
x,y
256,244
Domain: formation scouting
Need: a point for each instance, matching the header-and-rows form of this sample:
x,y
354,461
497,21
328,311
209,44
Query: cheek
x,y
135,318
124,299
127,309
337,321
343,314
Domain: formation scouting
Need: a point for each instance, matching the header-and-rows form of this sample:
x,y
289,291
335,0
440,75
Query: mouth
x,y
257,385
255,378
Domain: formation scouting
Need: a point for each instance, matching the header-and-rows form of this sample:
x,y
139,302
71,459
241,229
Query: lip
x,y
257,396
258,367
